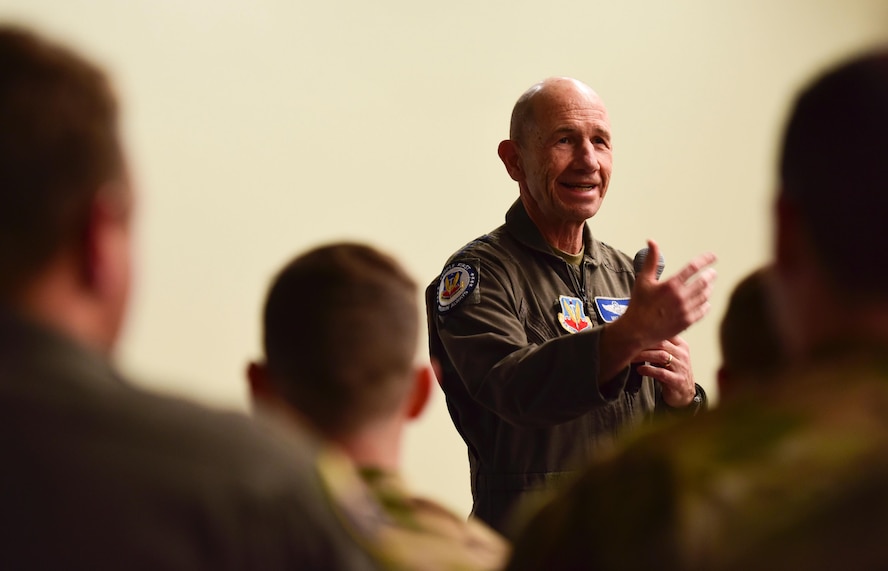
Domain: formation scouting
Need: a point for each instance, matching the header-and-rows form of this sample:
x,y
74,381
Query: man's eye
x,y
564,140
599,141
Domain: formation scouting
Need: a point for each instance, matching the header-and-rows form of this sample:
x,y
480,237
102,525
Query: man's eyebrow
x,y
570,129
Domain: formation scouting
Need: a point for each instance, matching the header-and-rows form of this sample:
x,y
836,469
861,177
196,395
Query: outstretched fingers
x,y
696,266
697,291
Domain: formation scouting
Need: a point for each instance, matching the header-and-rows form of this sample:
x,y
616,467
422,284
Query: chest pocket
x,y
535,328
541,325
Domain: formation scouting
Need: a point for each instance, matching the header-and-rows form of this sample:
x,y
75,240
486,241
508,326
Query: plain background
x,y
258,129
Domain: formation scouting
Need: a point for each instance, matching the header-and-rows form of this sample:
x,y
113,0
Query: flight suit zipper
x,y
579,285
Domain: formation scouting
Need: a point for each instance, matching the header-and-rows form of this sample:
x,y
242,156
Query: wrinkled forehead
x,y
568,102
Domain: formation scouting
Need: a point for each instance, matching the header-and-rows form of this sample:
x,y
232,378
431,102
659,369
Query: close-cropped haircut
x,y
341,325
58,145
834,168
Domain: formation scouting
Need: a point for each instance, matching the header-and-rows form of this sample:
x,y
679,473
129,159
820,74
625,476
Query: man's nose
x,y
587,156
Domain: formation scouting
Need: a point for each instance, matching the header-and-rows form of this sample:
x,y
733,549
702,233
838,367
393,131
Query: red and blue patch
x,y
458,281
573,315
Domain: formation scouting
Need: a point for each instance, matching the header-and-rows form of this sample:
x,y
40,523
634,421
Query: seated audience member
x,y
752,351
341,328
97,473
793,477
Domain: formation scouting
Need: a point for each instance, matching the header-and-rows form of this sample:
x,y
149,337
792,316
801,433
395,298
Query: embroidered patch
x,y
611,308
458,280
573,316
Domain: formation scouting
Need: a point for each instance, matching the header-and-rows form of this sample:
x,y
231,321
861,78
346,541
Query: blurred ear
x,y
787,236
722,381
103,258
107,223
508,153
797,284
261,390
421,393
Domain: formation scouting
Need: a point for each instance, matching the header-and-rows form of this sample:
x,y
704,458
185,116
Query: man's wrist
x,y
698,402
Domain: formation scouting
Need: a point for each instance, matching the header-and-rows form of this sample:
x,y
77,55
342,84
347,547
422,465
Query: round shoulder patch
x,y
458,280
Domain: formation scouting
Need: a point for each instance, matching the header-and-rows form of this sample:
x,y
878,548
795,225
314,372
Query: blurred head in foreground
x,y
831,258
752,350
65,200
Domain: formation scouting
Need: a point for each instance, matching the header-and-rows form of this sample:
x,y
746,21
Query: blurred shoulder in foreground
x,y
792,477
99,474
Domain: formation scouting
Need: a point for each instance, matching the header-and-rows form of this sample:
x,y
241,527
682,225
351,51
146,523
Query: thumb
x,y
649,269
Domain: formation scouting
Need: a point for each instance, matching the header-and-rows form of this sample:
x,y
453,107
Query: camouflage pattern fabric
x,y
795,477
416,533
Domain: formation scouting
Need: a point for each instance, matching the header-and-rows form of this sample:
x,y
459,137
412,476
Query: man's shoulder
x,y
485,246
165,443
486,250
424,533
214,435
610,256
760,468
498,251
161,477
488,262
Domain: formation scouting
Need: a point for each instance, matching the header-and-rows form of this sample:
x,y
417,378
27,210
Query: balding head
x,y
524,112
559,153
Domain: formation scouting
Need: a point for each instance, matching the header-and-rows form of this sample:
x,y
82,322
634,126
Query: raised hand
x,y
662,309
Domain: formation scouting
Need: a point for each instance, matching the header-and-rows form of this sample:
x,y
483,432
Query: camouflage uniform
x,y
417,533
795,479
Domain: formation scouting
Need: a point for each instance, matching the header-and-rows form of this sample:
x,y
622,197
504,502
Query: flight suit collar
x,y
523,229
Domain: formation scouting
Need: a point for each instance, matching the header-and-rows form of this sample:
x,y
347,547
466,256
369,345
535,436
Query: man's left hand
x,y
669,363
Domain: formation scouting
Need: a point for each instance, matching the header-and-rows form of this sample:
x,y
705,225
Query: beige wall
x,y
260,128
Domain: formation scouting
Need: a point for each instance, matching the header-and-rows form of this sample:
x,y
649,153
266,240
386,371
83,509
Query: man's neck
x,y
864,327
55,300
568,241
564,235
377,446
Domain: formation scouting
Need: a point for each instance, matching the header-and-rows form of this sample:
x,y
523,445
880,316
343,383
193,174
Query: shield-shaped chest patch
x,y
573,316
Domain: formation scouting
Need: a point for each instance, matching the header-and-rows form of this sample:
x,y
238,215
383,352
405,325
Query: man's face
x,y
565,154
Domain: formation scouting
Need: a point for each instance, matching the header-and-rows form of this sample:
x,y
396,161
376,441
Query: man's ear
x,y
795,284
508,153
102,238
722,381
421,393
787,236
103,259
261,390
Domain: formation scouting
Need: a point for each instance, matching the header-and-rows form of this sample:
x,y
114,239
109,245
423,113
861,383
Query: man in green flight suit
x,y
792,475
